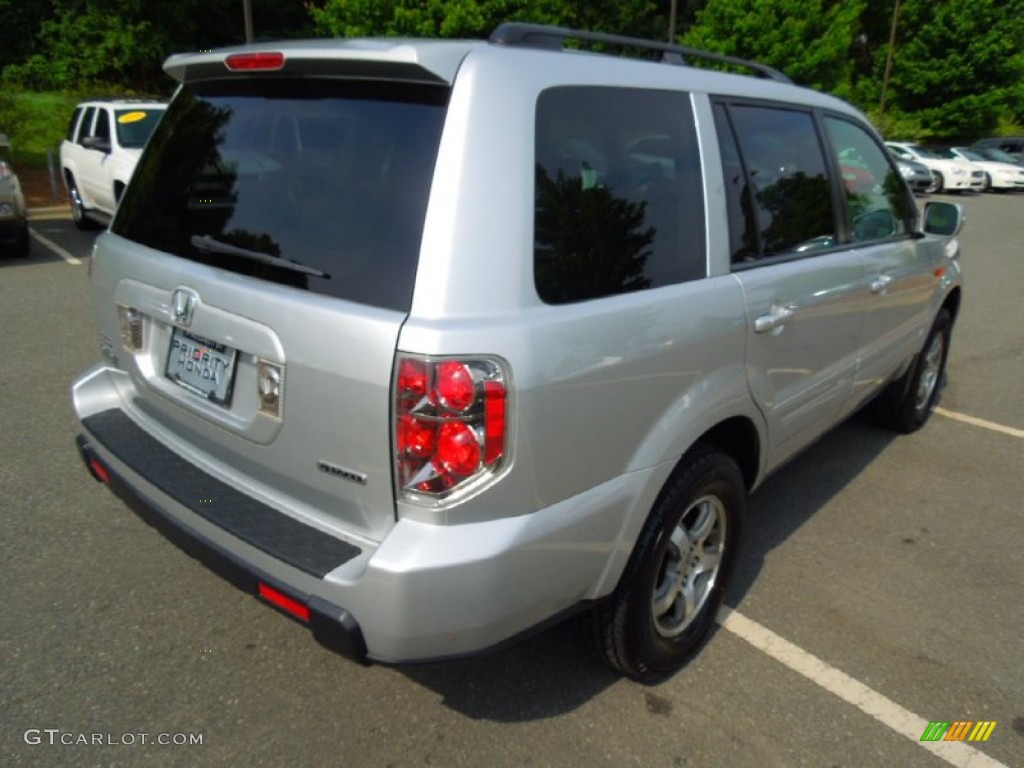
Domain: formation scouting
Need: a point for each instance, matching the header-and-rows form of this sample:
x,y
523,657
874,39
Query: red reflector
x,y
285,603
99,470
494,421
254,62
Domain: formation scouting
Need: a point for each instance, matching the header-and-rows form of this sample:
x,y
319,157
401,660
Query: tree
x,y
472,19
809,40
958,68
121,44
19,22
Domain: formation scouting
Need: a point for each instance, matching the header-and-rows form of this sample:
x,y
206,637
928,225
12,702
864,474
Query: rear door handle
x,y
776,318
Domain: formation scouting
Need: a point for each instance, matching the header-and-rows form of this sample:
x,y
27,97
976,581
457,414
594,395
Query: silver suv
x,y
431,343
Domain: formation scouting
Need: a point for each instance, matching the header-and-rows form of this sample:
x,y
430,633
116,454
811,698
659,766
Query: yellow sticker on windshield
x,y
131,117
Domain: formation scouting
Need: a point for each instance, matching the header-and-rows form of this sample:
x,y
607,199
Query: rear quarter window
x,y
618,193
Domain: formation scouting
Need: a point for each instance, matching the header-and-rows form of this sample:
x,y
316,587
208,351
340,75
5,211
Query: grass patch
x,y
35,122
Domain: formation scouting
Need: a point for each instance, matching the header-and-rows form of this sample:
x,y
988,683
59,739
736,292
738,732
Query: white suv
x,y
99,154
429,343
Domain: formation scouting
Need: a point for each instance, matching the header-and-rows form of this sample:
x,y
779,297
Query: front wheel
x,y
668,596
987,184
78,214
908,402
939,183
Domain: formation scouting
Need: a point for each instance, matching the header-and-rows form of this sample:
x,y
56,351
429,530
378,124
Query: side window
x,y
85,129
102,130
785,203
74,121
619,197
877,202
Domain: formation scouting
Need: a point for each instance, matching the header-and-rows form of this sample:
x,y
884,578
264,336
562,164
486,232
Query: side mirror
x,y
944,219
95,142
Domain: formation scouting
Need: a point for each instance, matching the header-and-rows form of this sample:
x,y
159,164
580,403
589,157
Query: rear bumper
x,y
331,625
423,593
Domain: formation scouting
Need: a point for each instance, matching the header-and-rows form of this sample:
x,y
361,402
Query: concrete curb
x,y
54,213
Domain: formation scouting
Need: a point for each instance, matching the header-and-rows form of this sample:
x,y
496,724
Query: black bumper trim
x,y
332,626
250,520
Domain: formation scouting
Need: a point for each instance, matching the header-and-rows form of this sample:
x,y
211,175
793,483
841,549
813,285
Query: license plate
x,y
201,366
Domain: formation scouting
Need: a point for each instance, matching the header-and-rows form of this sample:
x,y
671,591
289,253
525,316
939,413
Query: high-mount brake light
x,y
267,61
450,424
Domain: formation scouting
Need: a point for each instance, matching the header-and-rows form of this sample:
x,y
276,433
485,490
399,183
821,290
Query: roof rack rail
x,y
552,38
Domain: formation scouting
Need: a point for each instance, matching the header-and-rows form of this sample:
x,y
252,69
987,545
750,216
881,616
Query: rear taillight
x,y
450,425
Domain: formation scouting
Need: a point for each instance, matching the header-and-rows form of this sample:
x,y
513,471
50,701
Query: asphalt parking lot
x,y
880,588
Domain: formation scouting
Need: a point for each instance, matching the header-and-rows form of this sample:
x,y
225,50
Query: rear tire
x,y
940,183
23,247
666,602
908,402
987,185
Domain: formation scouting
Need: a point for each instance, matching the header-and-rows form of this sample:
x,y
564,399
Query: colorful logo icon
x,y
958,730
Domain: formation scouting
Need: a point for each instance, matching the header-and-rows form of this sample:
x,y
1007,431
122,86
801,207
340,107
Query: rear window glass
x,y
314,183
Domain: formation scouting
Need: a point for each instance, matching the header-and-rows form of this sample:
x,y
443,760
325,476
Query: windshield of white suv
x,y
319,184
135,125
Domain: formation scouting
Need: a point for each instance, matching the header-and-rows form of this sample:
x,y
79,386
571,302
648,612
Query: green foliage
x,y
35,122
120,45
809,40
957,69
94,46
472,19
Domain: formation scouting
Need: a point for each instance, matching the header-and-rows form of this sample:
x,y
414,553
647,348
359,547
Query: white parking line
x,y
883,709
1011,431
55,248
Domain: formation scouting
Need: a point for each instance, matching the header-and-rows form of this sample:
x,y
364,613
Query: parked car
x,y
916,174
431,343
991,153
14,236
1012,145
99,154
951,173
999,176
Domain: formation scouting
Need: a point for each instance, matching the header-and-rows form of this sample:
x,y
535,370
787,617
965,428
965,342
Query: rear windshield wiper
x,y
207,244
